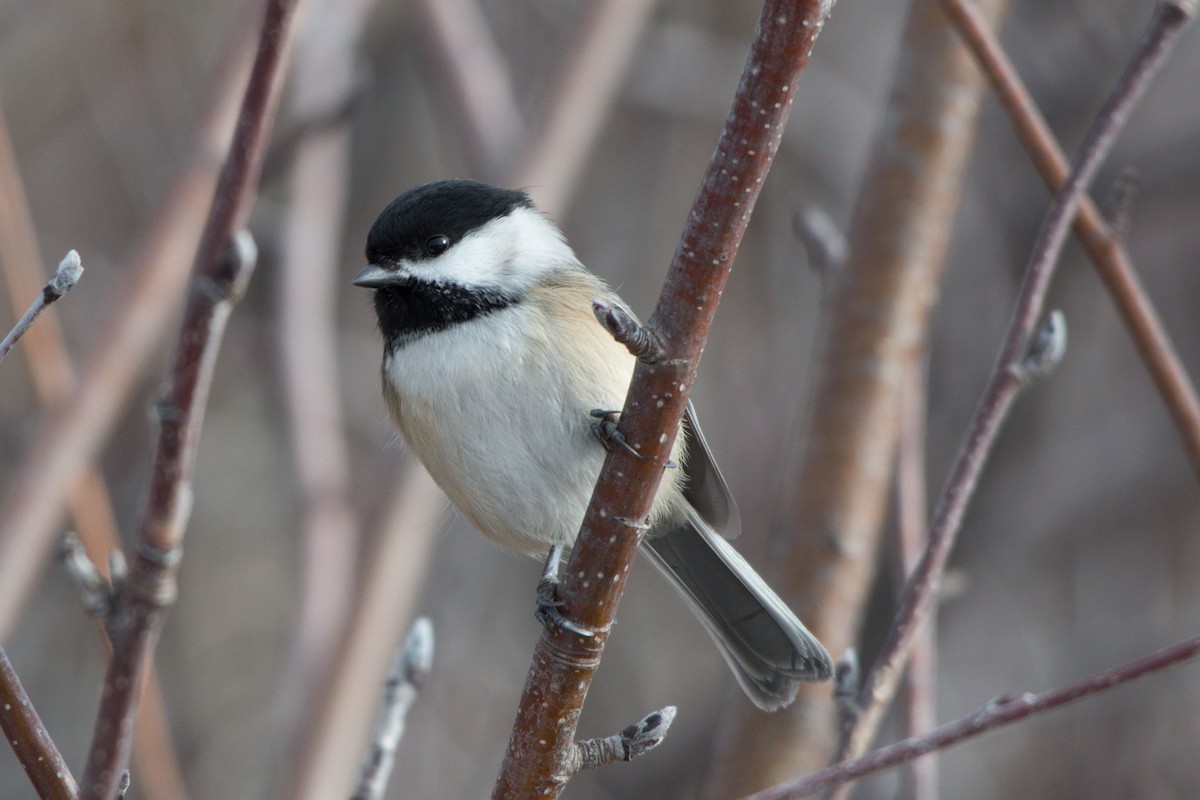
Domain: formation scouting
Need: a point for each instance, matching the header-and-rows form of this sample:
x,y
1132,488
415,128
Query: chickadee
x,y
493,363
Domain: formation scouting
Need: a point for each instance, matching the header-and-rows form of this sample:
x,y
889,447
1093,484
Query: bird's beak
x,y
374,276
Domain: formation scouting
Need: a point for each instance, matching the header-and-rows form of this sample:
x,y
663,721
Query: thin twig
x,y
391,583
639,738
1001,711
409,672
30,741
1103,245
537,762
920,780
54,382
69,271
480,81
1007,378
223,265
66,445
581,102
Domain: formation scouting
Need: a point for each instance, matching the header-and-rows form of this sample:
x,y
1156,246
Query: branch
x,y
69,271
479,78
390,588
557,153
222,269
66,445
876,318
31,742
640,737
1103,244
323,72
1008,378
1001,711
408,674
55,382
539,750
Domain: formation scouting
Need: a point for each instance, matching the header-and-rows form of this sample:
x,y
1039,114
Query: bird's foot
x,y
548,604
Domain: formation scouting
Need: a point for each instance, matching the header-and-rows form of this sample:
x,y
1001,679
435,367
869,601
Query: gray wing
x,y
705,488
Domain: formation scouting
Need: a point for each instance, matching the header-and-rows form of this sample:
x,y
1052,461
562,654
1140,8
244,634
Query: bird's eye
x,y
436,245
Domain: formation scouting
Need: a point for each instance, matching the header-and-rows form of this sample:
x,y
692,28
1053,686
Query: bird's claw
x,y
548,604
605,429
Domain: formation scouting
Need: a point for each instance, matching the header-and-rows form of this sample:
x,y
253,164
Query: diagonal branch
x,y
1103,245
69,271
877,318
1009,376
537,760
23,728
1003,710
222,268
67,444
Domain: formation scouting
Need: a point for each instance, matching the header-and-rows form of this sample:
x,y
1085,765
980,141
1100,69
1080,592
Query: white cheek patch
x,y
508,254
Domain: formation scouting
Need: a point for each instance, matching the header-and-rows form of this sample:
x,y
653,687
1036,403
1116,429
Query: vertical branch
x,y
222,268
480,79
876,323
323,77
537,760
1103,245
551,164
920,780
49,774
1011,374
390,588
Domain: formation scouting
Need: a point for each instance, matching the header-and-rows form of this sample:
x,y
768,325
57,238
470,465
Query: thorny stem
x,y
1001,711
1101,240
537,760
31,743
1006,381
69,271
222,269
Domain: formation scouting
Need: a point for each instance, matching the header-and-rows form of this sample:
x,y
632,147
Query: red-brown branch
x,y
222,267
536,763
1103,246
1010,373
1001,711
49,774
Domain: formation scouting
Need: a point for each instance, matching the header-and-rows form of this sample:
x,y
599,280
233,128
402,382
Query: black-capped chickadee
x,y
493,365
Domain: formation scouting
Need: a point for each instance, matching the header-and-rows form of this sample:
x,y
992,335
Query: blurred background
x,y
1079,552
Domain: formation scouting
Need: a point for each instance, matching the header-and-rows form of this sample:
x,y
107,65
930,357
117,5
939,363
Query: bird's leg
x,y
548,603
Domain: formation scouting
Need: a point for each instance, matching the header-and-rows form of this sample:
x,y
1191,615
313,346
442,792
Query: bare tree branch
x,y
1103,244
30,741
875,322
69,271
481,81
409,672
537,760
222,269
550,166
66,445
390,590
1008,377
1001,711
324,68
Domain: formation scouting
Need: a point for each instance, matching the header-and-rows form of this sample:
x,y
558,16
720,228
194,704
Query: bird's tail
x,y
767,647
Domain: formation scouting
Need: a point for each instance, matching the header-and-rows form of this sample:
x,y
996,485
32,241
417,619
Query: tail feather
x,y
768,648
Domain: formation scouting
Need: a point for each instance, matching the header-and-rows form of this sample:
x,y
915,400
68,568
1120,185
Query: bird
x,y
502,382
